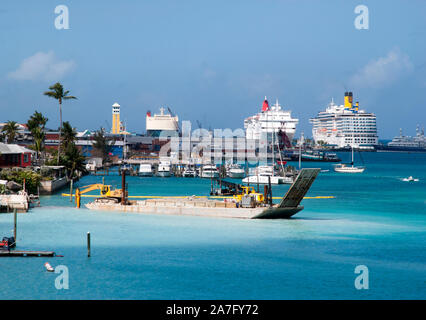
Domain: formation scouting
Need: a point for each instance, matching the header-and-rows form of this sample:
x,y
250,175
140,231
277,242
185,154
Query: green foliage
x,y
73,160
11,130
32,179
68,135
57,92
102,146
36,125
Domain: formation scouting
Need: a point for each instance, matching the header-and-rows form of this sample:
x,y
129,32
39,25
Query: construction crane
x,y
106,192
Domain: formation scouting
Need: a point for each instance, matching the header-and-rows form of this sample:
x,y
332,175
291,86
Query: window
x,y
25,158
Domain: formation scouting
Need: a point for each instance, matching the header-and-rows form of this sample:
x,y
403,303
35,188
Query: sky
x,y
213,61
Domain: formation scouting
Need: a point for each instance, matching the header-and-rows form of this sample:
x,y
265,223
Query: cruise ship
x,y
406,143
272,119
346,125
165,125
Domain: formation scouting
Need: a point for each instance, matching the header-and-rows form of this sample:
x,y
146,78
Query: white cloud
x,y
383,71
42,66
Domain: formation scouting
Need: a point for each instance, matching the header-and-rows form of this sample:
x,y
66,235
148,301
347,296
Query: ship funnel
x,y
265,105
348,100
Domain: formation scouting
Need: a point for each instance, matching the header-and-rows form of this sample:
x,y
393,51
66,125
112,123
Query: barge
x,y
247,208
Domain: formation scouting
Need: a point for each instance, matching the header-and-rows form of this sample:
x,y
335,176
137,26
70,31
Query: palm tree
x,y
11,130
38,135
73,160
57,92
37,120
68,134
36,125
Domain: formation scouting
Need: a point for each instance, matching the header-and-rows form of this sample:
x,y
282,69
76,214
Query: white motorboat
x,y
189,173
209,171
145,170
164,169
410,179
235,171
263,174
344,168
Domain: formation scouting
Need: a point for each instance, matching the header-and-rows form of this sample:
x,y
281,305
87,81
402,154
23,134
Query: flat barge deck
x,y
288,206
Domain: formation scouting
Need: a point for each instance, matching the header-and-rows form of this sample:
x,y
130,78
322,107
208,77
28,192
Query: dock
x,y
16,253
9,202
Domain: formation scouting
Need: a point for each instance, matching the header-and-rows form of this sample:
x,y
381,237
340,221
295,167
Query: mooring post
x,y
123,187
71,190
15,222
265,193
88,244
270,191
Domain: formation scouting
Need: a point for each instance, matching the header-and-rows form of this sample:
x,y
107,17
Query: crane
x,y
173,115
106,191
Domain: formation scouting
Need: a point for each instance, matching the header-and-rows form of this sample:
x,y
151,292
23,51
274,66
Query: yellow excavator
x,y
106,191
251,192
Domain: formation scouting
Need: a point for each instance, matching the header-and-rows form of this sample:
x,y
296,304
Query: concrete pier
x,y
9,202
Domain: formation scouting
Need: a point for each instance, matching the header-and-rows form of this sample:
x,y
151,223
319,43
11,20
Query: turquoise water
x,y
375,220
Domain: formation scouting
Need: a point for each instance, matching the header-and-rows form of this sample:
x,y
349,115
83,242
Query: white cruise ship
x,y
272,119
345,126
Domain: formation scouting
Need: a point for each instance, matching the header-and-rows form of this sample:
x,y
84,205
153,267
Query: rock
x,y
13,186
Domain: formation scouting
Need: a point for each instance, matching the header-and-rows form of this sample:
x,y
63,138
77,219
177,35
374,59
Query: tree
x,y
73,160
57,92
68,135
102,146
36,125
11,130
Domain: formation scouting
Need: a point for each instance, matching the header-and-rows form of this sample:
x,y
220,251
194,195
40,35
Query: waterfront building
x,y
345,125
13,155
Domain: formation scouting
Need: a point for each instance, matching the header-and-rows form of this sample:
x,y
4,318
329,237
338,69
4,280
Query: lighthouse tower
x,y
115,118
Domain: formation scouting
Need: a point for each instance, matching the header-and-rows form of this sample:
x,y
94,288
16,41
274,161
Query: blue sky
x,y
213,61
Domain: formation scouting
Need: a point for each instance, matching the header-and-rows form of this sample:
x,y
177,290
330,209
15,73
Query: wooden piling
x,y
270,191
15,223
265,194
123,187
71,189
88,244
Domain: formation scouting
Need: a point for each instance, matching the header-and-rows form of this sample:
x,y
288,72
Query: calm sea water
x,y
374,220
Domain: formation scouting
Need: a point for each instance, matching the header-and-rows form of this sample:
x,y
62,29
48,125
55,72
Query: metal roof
x,y
13,149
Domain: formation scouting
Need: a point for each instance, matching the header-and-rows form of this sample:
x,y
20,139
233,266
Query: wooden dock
x,y
16,253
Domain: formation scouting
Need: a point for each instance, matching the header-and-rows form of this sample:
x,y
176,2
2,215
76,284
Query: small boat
x,y
235,171
263,174
189,173
48,267
164,169
145,170
348,168
344,168
209,171
410,179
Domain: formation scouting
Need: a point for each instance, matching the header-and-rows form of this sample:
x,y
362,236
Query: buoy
x,y
48,267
